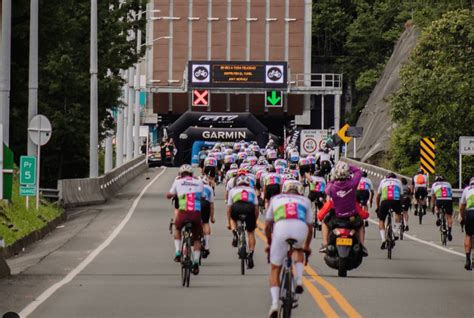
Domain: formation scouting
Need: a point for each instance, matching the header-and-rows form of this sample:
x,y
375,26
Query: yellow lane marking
x,y
315,293
338,297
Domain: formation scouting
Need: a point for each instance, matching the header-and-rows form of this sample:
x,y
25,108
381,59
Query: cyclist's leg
x,y
448,209
278,250
468,238
206,214
251,224
178,224
197,232
383,212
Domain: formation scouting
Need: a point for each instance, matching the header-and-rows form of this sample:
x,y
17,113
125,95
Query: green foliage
x,y
64,79
436,97
16,221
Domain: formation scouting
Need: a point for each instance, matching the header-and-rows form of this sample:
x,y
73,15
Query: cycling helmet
x,y
471,182
250,153
185,169
340,171
391,175
234,166
271,169
364,174
293,186
242,180
261,161
242,172
439,178
289,176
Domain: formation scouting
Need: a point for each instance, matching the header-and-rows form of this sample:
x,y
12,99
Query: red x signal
x,y
201,97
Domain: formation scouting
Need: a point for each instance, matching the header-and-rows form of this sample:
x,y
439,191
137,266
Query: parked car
x,y
154,157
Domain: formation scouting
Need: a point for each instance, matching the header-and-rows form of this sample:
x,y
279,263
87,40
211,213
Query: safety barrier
x,y
376,174
80,192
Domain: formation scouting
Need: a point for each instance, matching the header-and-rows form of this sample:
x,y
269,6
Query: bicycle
x,y
242,243
443,227
389,239
288,298
419,210
186,252
402,227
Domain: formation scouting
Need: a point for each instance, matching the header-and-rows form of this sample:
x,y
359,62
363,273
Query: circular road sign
x,y
310,145
40,130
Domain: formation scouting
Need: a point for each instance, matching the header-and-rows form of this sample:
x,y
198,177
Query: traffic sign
x,y
274,99
466,145
427,155
40,130
27,191
201,97
27,170
312,140
342,134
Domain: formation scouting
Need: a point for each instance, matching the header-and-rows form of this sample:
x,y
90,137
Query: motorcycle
x,y
344,251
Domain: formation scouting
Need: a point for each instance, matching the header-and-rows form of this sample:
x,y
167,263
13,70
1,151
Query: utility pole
x,y
33,72
5,67
136,138
131,97
94,121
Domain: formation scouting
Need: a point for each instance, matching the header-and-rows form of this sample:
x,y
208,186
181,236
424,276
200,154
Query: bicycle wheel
x,y
420,214
402,229
286,295
389,239
243,254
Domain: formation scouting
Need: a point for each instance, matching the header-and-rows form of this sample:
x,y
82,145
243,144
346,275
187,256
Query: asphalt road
x,y
132,274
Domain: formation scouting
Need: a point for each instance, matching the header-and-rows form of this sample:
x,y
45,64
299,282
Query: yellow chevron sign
x,y
427,155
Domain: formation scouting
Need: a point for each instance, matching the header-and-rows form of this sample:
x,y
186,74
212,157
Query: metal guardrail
x,y
50,194
319,80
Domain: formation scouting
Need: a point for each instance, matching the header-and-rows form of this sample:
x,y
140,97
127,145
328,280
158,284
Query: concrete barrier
x,y
4,269
81,192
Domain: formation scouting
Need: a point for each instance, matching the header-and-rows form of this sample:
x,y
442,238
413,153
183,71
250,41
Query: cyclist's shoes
x,y
195,268
384,245
235,239
323,249
395,238
273,312
205,253
468,265
438,222
299,289
450,237
177,257
406,228
250,263
416,212
365,253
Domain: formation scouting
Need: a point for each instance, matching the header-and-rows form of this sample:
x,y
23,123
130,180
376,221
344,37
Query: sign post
x,y
145,133
40,133
28,180
466,147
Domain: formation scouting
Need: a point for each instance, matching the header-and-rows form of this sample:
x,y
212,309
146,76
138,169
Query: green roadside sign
x,y
27,191
27,170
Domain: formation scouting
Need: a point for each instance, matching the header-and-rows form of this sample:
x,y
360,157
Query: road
x,y
118,263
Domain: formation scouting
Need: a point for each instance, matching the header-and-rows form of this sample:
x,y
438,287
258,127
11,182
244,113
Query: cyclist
x,y
442,197
466,209
389,196
207,214
189,192
242,200
229,159
271,184
406,201
289,215
324,161
419,186
365,191
271,155
304,166
317,185
202,156
210,169
342,191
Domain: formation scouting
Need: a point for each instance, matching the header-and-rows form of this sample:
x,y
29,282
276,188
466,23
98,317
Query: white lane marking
x,y
28,310
413,238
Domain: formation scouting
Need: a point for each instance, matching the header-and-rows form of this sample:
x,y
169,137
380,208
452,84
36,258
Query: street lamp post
x,y
33,72
94,121
5,67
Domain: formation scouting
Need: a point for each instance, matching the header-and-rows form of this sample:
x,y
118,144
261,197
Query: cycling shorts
x,y
446,204
325,167
317,197
304,169
201,163
272,190
219,164
406,204
258,186
247,209
193,217
283,230
386,205
205,211
469,222
363,196
227,166
210,171
421,193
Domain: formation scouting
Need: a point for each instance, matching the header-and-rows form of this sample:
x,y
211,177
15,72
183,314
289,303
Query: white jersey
x,y
243,194
467,197
189,191
208,193
442,190
289,206
324,156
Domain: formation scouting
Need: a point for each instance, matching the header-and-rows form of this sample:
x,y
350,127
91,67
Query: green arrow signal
x,y
273,99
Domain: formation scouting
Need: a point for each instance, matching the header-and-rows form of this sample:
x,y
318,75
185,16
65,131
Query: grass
x,y
17,222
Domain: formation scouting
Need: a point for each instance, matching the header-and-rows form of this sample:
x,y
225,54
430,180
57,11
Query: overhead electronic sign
x,y
236,74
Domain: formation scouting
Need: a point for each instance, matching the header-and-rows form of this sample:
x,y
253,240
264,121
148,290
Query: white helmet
x,y
234,166
293,185
471,182
185,169
341,171
242,180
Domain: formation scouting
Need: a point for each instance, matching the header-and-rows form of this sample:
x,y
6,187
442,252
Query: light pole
x,y
5,66
94,122
136,137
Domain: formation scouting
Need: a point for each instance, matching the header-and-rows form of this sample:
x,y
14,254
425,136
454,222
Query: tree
x,y
436,95
64,38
